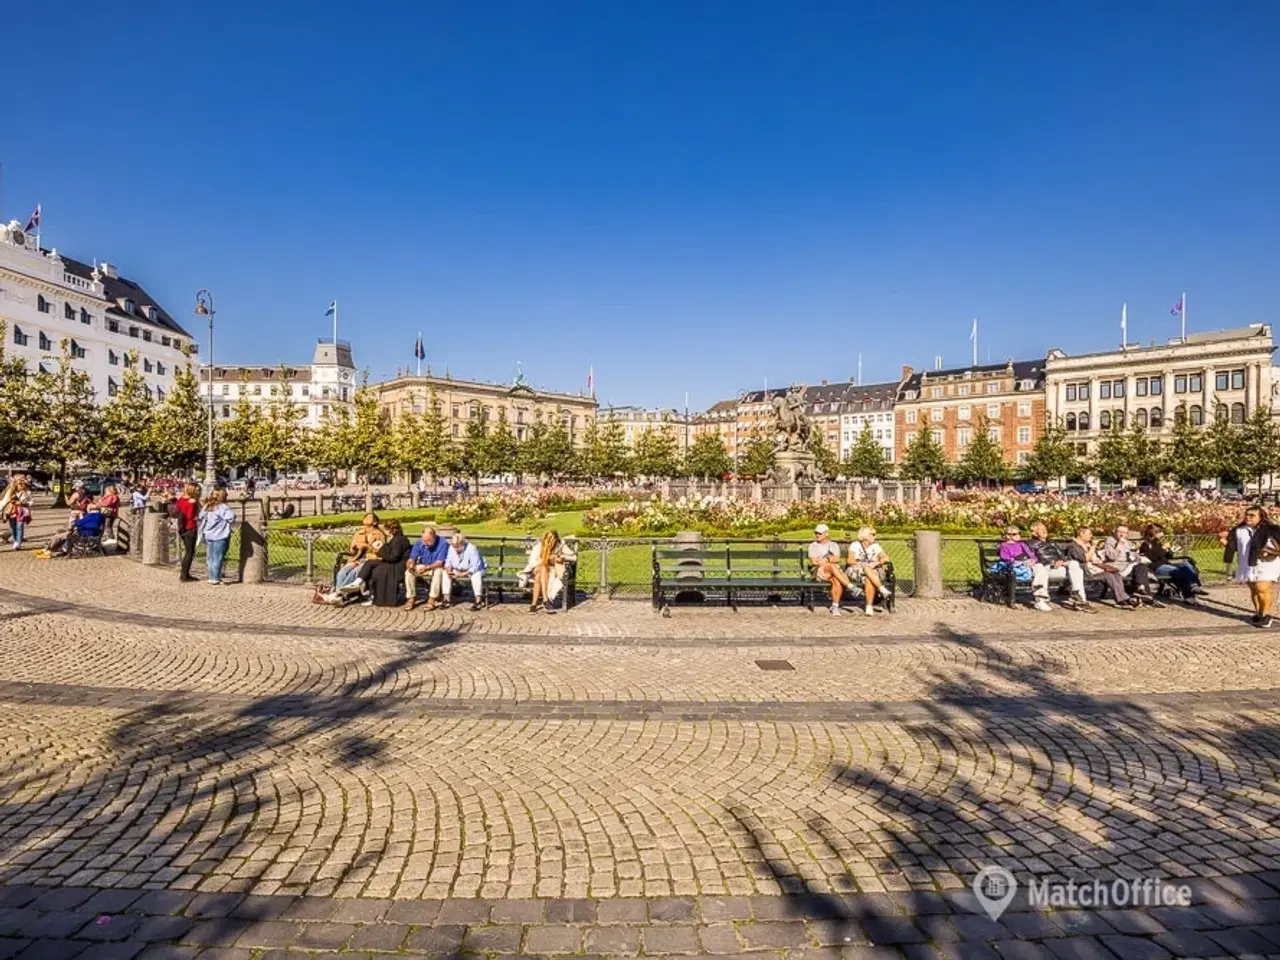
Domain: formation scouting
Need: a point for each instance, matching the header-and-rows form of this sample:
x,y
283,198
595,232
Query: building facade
x,y
462,401
1224,373
719,420
324,388
869,407
105,319
951,404
636,421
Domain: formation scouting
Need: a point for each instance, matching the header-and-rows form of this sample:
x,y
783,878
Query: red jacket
x,y
186,510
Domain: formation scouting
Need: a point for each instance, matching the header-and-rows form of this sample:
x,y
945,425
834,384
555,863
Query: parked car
x,y
1074,490
95,483
1029,486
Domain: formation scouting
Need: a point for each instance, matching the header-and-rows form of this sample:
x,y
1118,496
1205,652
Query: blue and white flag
x,y
333,309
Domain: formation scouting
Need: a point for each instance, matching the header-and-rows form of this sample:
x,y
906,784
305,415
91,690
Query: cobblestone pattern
x,y
1235,918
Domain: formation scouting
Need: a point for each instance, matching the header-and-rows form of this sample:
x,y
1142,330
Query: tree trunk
x,y
368,496
61,500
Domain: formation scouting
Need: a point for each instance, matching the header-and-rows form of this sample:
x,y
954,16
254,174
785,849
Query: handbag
x,y
1270,551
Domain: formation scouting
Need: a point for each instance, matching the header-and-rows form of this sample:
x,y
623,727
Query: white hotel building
x,y
320,389
46,298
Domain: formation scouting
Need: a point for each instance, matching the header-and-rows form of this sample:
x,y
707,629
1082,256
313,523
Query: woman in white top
x,y
866,560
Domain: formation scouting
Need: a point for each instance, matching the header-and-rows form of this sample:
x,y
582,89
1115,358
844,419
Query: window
x,y
130,306
41,303
1082,449
1221,380
1084,420
226,389
85,316
19,337
1071,421
1195,383
1140,418
68,311
226,411
146,335
935,414
909,438
257,389
1237,379
45,342
965,413
1117,389
964,389
1083,392
146,365
963,436
306,392
1026,384
133,332
936,392
160,368
993,387
77,351
993,411
1237,413
1140,387
911,416
344,394
1179,384
488,412
937,436
1104,420
1221,413
1024,409
113,358
112,387
159,393
1024,457
164,341
1104,390
1024,435
1118,419
1156,418
1157,386
994,433
455,429
113,326
128,361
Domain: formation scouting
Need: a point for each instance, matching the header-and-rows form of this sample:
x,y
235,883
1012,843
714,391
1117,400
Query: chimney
x,y
907,371
109,270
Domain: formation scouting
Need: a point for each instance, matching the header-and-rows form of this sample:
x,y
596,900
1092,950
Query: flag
x,y
33,222
591,381
333,309
1177,308
418,351
973,334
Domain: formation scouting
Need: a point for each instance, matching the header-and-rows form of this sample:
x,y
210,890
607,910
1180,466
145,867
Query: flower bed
x,y
968,513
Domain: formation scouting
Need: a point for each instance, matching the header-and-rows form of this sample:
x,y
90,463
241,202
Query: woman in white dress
x,y
1256,546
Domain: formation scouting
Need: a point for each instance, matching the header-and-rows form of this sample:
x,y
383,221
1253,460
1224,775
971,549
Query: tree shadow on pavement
x,y
1016,766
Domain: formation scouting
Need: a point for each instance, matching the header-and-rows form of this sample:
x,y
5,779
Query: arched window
x,y
1104,420
1157,418
1220,413
1118,419
1140,417
1180,413
1197,415
1071,421
1084,420
1237,413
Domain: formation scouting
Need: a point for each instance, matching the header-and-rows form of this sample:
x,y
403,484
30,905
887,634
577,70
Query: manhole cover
x,y
774,665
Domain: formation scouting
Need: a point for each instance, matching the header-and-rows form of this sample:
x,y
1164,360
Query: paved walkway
x,y
236,771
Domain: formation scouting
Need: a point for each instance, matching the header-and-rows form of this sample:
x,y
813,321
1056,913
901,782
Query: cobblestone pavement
x,y
238,773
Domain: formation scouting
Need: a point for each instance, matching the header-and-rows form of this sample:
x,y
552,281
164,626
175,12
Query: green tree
x,y
1053,456
17,405
607,452
758,458
281,440
1111,460
924,460
707,457
1259,446
439,453
1144,454
408,444
368,445
552,454
128,424
826,461
503,453
474,457
656,453
983,461
866,459
239,440
1225,450
1187,457
178,438
65,426
323,445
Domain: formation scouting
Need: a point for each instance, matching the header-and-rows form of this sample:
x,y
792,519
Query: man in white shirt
x,y
464,560
824,561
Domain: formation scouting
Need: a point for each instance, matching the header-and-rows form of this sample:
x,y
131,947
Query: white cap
x,y
822,528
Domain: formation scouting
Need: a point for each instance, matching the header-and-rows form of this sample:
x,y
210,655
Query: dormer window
x,y
152,313
129,306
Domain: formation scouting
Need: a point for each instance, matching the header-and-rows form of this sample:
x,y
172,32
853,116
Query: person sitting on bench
x,y
464,560
824,562
426,562
867,560
545,571
366,542
1023,563
382,573
1082,550
1157,553
1120,552
1057,568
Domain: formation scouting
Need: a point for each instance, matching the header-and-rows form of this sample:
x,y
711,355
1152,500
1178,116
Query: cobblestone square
x,y
191,771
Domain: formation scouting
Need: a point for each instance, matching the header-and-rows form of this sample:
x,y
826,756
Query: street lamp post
x,y
204,308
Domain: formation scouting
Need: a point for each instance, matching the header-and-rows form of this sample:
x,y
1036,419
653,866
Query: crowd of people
x,y
382,565
90,518
865,562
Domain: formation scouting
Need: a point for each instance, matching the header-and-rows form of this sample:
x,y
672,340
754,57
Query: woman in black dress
x,y
384,573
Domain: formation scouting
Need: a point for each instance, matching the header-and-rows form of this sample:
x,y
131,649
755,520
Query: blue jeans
x,y
217,554
346,574
1183,575
18,530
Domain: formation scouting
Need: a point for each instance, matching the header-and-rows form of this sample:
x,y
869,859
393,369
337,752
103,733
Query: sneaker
x,y
549,607
367,603
1267,621
1255,621
215,583
1043,606
478,605
836,611
869,611
355,586
1157,603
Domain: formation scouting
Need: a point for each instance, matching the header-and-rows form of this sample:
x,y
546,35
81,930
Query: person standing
x,y
215,529
1264,564
185,510
15,507
109,507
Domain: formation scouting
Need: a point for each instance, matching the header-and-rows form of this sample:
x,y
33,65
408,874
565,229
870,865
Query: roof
x,y
229,374
1256,331
1021,370
1236,333
119,288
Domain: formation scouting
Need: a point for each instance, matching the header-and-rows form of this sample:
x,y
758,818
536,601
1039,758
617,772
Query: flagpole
x,y
335,328
1124,326
1183,311
974,337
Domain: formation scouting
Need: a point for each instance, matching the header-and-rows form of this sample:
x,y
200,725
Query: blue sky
x,y
687,195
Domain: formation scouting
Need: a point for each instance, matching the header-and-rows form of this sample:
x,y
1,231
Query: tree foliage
x,y
983,461
924,460
65,426
866,459
826,460
758,459
707,457
178,431
128,424
1053,456
656,453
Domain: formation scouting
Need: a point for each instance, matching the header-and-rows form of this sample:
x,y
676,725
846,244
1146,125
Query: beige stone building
x,y
636,421
1224,373
720,420
462,401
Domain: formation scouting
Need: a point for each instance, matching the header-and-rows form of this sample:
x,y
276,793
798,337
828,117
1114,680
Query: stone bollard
x,y
137,520
928,557
253,543
155,534
318,509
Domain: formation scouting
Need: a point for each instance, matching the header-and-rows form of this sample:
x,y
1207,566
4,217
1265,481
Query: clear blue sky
x,y
687,195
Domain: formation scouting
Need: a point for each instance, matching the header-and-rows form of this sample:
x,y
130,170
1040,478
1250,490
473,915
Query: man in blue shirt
x,y
464,560
426,561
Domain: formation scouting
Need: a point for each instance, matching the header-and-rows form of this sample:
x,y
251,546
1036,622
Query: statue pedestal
x,y
794,466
